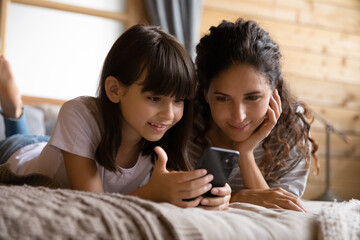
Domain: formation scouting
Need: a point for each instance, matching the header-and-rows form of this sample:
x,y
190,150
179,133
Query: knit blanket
x,y
340,221
43,211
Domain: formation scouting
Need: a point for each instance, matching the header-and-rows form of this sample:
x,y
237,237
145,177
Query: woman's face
x,y
238,98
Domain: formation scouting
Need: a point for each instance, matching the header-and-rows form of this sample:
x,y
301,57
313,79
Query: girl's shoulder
x,y
81,101
81,104
84,108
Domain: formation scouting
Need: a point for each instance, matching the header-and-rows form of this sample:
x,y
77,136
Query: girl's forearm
x,y
251,174
146,192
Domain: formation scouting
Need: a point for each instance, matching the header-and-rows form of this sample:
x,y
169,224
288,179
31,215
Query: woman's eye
x,y
253,98
221,98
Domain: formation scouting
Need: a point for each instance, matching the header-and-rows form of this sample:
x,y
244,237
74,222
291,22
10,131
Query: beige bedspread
x,y
43,213
28,212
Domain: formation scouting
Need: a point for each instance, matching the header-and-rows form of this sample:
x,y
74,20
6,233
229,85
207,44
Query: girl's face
x,y
238,98
146,115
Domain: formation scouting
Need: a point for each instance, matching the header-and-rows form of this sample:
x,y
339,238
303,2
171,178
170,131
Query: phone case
x,y
219,162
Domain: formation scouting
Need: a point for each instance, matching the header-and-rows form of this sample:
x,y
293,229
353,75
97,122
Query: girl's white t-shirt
x,y
77,131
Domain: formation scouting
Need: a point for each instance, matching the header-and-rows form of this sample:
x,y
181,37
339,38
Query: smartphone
x,y
219,162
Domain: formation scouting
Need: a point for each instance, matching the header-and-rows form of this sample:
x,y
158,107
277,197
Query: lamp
x,y
328,195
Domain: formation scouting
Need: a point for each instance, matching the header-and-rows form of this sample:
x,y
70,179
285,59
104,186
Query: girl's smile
x,y
159,127
146,115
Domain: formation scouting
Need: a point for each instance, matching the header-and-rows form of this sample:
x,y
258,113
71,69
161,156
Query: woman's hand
x,y
252,176
272,115
221,202
174,186
269,198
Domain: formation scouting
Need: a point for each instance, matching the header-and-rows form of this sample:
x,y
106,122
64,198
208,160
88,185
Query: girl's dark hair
x,y
245,42
169,71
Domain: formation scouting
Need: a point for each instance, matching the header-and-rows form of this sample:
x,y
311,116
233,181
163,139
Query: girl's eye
x,y
179,100
221,98
154,99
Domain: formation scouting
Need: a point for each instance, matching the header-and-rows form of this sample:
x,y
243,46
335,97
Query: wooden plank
x,y
301,4
314,40
302,37
352,4
342,171
320,67
31,100
308,13
75,9
314,191
344,179
4,8
346,120
336,94
338,148
251,9
136,13
321,15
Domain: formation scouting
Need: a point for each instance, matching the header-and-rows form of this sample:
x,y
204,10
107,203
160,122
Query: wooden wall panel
x,y
301,37
353,4
320,14
339,148
344,179
320,43
336,94
331,17
342,119
251,9
321,66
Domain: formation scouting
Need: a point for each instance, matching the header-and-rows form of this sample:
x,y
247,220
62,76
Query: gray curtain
x,y
180,18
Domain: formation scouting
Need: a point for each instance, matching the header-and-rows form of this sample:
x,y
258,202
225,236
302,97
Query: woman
x,y
244,104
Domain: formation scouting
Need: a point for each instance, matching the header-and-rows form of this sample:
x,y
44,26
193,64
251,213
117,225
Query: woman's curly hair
x,y
245,42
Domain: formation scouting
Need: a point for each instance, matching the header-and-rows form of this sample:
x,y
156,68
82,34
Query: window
x,y
56,48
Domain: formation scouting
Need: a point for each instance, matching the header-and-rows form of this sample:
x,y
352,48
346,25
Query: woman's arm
x,y
82,173
286,191
269,198
251,174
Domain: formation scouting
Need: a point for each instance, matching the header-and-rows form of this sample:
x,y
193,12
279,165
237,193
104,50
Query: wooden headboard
x,y
31,100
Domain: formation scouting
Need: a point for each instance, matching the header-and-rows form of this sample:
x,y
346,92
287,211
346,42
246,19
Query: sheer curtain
x,y
180,18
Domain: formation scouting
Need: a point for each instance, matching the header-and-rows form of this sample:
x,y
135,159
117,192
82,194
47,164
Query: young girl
x,y
106,144
244,104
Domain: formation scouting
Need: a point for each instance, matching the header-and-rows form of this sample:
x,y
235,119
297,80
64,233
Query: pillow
x,y
34,120
51,112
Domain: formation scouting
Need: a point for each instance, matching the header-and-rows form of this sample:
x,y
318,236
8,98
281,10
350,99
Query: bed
x,y
32,207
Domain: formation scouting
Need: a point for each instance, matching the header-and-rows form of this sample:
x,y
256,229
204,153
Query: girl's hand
x,y
174,186
221,202
272,115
